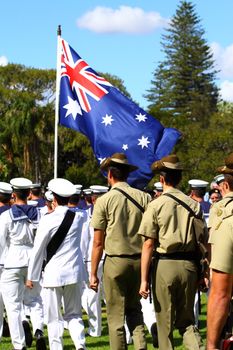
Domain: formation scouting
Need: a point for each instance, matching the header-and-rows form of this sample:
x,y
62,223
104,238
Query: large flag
x,y
111,121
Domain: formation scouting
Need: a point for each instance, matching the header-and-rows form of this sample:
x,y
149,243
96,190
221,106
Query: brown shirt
x,y
169,224
120,219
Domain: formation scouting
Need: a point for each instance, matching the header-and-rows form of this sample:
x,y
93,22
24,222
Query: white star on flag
x,y
143,142
72,108
107,120
125,147
141,117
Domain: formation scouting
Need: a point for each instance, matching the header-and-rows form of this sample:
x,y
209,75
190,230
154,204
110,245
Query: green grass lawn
x,y
101,343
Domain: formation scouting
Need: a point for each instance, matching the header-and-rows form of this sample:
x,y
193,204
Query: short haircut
x,y
199,191
74,199
120,172
172,177
5,198
22,193
36,191
61,200
229,179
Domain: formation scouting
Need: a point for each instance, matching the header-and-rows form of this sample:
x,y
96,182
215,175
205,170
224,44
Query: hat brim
x,y
158,166
224,170
109,162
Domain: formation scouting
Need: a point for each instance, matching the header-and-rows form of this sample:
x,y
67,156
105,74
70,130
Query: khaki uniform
x,y
218,212
222,251
175,276
120,219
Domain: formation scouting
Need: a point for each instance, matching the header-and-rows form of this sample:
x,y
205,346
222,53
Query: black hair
x,y
120,172
5,198
172,177
22,193
61,200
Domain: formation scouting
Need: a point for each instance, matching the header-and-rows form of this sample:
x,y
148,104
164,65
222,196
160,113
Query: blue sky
x,y
118,37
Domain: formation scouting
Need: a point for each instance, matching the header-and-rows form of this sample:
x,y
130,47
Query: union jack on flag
x,y
110,120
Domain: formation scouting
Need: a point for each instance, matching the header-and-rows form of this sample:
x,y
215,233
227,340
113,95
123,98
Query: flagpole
x,y
57,100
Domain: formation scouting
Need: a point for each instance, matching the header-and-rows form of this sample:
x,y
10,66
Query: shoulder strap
x,y
130,198
231,199
185,205
59,236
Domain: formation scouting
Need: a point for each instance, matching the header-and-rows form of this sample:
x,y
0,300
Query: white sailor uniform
x,y
62,278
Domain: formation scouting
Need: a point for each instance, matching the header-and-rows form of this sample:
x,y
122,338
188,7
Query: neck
x,y
167,187
20,201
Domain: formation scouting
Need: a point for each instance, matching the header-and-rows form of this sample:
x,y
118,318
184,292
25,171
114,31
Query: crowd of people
x,y
71,249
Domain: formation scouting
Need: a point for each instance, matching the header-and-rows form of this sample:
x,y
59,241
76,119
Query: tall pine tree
x,y
183,87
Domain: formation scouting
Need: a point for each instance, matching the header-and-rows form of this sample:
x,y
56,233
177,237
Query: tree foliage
x,y
183,86
27,120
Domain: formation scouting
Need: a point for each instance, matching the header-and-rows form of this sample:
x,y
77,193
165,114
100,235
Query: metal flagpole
x,y
57,100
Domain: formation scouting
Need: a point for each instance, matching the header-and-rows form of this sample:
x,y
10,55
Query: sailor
x,y
91,300
17,231
5,197
64,272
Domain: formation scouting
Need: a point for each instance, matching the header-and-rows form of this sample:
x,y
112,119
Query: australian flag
x,y
110,120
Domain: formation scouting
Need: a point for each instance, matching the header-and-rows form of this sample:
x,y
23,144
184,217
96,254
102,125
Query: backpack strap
x,y
130,198
59,236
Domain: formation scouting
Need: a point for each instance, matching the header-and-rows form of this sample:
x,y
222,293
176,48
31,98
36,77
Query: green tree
x,y
27,116
183,87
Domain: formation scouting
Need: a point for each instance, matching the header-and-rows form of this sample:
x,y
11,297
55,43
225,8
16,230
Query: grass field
x,y
101,343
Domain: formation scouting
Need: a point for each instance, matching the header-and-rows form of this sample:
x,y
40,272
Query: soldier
x,y
220,239
116,219
167,225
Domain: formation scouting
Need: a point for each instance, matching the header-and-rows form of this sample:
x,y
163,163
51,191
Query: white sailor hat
x,y
20,183
219,178
158,186
78,189
98,189
36,185
195,183
87,191
49,196
5,187
61,187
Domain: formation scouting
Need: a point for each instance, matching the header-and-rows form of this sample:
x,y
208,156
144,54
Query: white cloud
x,y
3,61
226,90
125,19
224,59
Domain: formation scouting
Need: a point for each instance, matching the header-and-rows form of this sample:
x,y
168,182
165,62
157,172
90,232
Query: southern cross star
x,y
107,120
143,142
72,108
141,117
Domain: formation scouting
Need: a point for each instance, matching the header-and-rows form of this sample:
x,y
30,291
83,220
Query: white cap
x,y
219,178
49,196
158,186
36,185
78,189
98,189
5,187
195,183
20,183
87,191
62,187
